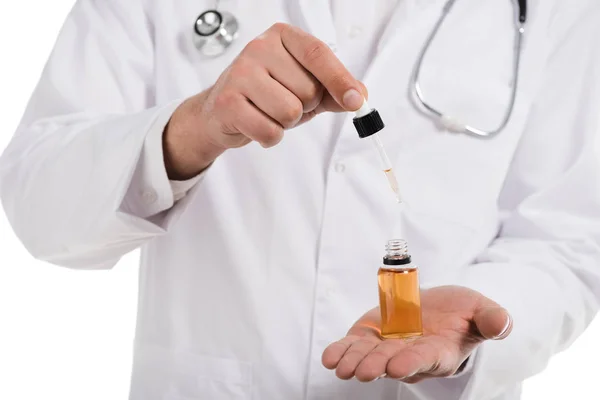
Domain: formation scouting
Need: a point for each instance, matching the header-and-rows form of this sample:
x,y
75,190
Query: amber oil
x,y
399,294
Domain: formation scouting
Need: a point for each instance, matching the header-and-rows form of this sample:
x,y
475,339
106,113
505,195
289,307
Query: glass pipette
x,y
368,122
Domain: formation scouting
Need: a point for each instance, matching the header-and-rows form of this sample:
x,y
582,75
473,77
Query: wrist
x,y
186,150
181,163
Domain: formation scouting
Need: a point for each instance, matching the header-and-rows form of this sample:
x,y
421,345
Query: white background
x,y
66,334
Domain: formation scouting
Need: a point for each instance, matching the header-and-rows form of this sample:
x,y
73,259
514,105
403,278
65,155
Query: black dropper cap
x,y
368,124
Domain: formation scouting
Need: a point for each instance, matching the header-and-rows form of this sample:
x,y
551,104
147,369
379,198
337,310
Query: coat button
x,y
340,167
149,196
355,32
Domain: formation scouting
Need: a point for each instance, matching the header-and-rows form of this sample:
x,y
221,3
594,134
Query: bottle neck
x,y
397,256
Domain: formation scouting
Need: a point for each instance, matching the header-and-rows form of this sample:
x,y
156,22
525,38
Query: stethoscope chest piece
x,y
214,31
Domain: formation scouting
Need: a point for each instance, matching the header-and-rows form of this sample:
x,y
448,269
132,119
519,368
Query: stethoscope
x,y
449,122
215,31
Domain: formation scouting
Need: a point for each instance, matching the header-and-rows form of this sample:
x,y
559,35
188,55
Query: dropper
x,y
368,122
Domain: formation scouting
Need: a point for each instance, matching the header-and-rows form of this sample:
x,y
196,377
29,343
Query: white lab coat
x,y
272,254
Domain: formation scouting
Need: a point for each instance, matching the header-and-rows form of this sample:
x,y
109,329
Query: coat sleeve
x,y
83,181
544,266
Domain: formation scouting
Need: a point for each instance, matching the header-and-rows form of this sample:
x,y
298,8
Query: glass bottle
x,y
399,293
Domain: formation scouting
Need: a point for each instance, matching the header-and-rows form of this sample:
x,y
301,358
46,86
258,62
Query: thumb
x,y
493,322
330,104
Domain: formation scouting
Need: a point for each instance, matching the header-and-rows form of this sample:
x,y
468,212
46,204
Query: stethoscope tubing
x,y
450,122
223,35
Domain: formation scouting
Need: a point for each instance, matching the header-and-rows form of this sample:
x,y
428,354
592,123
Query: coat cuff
x,y
150,191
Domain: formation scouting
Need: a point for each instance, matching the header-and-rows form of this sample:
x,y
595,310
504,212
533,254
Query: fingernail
x,y
505,329
407,376
379,377
353,100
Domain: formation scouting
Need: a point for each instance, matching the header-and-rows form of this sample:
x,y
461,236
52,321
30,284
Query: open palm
x,y
455,321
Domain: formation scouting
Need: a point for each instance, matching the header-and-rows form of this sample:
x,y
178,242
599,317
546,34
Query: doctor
x,y
261,216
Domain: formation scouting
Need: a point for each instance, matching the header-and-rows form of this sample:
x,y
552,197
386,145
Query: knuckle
x,y
278,27
257,46
314,92
314,52
272,136
292,113
226,99
312,96
242,71
339,80
243,65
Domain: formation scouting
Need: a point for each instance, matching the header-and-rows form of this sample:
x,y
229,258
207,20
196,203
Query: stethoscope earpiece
x,y
214,32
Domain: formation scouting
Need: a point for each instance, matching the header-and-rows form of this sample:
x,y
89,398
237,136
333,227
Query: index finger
x,y
321,62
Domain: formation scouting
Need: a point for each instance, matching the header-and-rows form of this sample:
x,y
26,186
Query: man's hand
x,y
455,321
281,79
